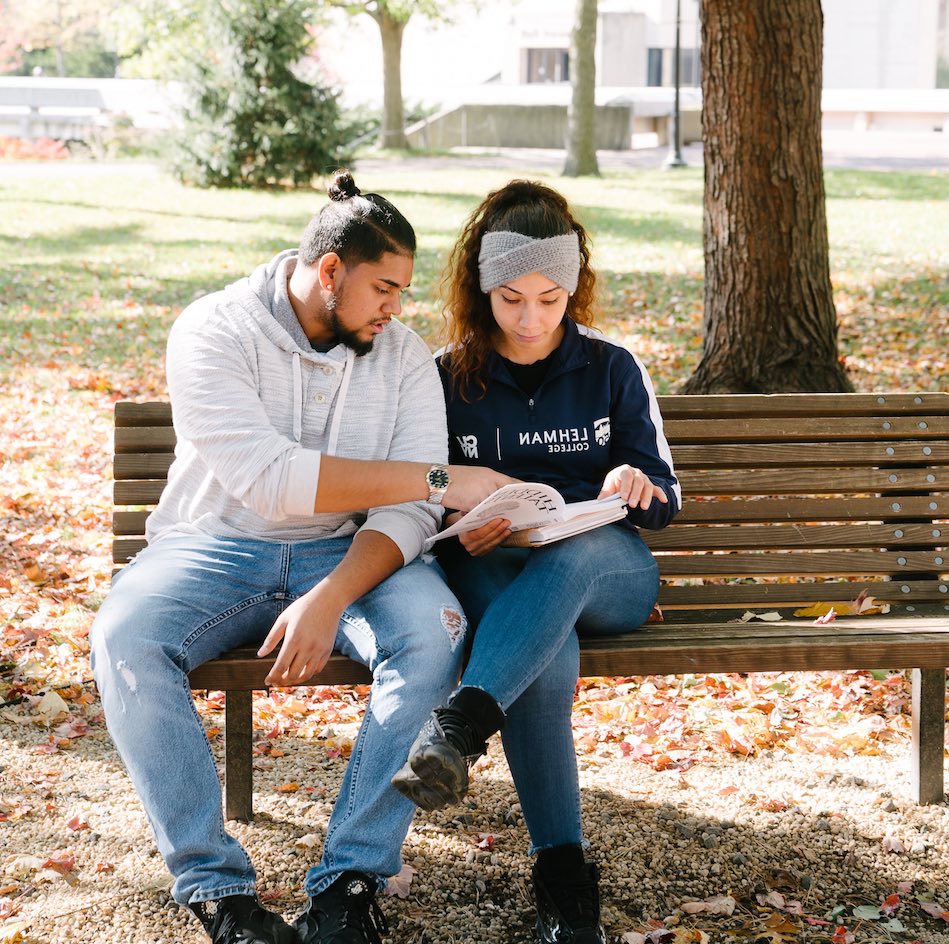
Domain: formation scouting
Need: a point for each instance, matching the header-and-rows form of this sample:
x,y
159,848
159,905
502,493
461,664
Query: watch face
x,y
438,478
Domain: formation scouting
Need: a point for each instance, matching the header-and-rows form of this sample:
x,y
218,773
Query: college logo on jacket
x,y
601,429
469,446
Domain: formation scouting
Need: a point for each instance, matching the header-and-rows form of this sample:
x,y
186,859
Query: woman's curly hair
x,y
521,206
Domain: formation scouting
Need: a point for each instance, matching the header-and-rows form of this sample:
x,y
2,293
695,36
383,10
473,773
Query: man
x,y
302,489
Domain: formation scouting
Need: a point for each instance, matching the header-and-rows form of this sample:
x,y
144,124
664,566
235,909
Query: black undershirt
x,y
529,376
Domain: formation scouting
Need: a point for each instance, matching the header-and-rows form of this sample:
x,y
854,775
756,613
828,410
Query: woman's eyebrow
x,y
546,291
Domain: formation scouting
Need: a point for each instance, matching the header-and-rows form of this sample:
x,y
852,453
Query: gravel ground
x,y
789,837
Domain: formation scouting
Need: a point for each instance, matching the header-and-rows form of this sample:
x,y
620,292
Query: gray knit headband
x,y
507,256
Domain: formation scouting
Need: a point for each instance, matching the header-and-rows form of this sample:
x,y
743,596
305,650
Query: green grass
x,y
95,268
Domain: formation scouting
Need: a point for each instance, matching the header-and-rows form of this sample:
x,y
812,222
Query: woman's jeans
x,y
528,606
185,600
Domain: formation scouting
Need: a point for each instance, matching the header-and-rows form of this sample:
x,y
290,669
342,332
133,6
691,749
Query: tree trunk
x,y
770,323
581,124
392,133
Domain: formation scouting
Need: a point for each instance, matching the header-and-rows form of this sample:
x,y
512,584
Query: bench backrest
x,y
782,494
34,97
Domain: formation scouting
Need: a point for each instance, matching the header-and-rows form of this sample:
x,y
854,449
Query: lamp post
x,y
675,158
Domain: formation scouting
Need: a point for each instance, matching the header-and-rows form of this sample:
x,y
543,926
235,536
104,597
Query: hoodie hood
x,y
263,295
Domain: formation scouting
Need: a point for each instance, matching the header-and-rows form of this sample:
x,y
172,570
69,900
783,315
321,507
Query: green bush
x,y
248,120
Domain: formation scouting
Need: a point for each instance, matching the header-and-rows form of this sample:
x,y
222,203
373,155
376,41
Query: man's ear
x,y
329,267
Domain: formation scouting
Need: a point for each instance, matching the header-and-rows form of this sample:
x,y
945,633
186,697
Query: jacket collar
x,y
570,354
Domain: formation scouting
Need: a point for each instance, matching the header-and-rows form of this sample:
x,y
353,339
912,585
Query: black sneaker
x,y
568,910
344,913
437,770
241,919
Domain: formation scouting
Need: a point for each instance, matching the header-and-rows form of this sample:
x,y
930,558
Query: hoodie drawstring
x,y
297,397
340,402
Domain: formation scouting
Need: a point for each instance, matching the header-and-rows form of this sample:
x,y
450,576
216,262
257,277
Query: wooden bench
x,y
789,500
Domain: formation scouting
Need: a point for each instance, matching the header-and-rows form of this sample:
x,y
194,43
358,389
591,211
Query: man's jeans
x,y
185,600
526,605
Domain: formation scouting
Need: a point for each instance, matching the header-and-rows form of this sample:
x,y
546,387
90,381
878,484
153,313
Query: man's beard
x,y
344,335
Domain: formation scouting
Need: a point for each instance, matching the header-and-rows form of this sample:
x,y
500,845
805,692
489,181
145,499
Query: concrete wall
x,y
540,126
621,53
880,44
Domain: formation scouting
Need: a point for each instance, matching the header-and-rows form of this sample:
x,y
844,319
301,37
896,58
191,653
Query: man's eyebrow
x,y
546,291
395,284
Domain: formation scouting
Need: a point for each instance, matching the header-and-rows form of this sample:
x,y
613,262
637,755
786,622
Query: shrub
x,y
248,119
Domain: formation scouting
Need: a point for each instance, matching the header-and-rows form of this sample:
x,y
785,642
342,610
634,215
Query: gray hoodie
x,y
254,411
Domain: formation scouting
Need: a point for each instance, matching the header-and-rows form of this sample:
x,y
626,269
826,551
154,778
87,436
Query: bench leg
x,y
238,756
929,720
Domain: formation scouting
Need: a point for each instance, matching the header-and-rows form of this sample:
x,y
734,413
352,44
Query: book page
x,y
612,509
524,504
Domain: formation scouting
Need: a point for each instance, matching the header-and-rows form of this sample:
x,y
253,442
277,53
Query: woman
x,y
532,391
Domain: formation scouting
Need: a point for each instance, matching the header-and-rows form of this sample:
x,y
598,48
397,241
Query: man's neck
x,y
306,299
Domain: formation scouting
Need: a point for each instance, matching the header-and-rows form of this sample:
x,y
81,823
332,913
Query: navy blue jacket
x,y
595,410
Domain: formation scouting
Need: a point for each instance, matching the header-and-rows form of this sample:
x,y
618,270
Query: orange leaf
x,y
288,788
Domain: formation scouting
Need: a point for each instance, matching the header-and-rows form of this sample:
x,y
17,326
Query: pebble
x,y
658,839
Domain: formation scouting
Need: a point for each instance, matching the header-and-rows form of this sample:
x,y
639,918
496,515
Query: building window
x,y
659,67
548,65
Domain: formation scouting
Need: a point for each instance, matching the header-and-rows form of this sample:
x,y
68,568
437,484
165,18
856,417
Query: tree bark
x,y
392,133
581,113
770,324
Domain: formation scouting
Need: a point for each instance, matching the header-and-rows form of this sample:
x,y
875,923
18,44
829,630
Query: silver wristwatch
x,y
438,481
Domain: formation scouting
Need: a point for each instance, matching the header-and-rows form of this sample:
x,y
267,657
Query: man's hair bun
x,y
342,186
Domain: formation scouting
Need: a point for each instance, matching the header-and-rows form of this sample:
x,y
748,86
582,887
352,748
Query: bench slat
x,y
885,508
144,439
808,428
137,491
801,564
783,405
152,413
128,413
676,648
812,481
781,536
142,465
725,537
711,596
808,454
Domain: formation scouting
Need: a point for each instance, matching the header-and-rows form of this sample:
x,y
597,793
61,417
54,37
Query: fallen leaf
x,y
399,885
274,894
22,866
893,843
309,841
78,822
11,932
826,618
718,905
935,910
890,904
816,609
288,788
63,863
769,617
51,706
867,913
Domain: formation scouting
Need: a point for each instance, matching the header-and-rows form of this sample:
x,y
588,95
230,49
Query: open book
x,y
538,514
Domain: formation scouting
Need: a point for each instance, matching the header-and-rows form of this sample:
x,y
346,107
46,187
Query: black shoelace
x,y
368,917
